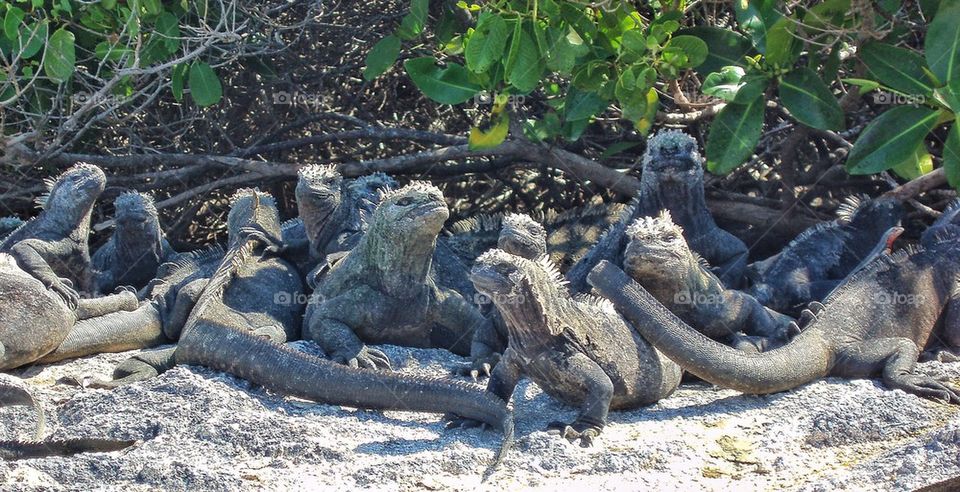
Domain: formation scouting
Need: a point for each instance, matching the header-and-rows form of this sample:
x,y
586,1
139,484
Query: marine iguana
x,y
8,225
823,255
385,290
578,350
35,320
332,213
672,179
658,258
137,247
39,448
878,321
52,247
522,236
236,323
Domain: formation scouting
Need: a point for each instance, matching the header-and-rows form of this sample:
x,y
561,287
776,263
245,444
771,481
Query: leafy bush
x,y
585,58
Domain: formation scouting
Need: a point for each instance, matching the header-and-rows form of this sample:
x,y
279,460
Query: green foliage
x,y
583,59
46,43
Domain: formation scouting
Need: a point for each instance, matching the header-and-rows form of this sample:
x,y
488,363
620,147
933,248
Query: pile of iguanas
x,y
603,307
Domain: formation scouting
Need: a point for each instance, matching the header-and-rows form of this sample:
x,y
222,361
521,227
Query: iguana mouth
x,y
429,208
487,280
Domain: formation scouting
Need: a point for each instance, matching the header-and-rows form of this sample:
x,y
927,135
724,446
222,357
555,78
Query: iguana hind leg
x,y
140,367
896,357
99,306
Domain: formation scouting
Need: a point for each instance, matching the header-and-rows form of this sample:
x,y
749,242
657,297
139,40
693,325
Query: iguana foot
x,y
455,421
926,387
367,358
481,366
64,288
583,431
251,232
942,355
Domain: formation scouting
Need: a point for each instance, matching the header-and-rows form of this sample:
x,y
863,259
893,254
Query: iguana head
x,y
250,207
876,214
417,210
318,196
656,249
672,157
522,236
367,191
74,192
527,292
136,220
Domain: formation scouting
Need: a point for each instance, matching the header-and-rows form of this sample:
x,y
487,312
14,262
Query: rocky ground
x,y
203,430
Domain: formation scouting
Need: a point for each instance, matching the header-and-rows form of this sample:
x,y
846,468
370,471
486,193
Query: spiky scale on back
x,y
577,350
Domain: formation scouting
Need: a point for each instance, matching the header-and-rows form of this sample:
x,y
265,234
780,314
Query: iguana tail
x,y
282,369
22,450
110,333
804,359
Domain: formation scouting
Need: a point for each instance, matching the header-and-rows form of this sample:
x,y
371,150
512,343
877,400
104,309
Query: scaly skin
x,y
8,225
658,258
137,247
577,350
18,449
52,247
332,213
878,322
389,273
672,179
522,236
817,260
225,332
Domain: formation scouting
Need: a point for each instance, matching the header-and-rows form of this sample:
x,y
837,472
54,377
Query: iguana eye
x,y
403,202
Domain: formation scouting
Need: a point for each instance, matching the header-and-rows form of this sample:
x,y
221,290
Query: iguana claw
x,y
581,431
368,358
64,288
482,366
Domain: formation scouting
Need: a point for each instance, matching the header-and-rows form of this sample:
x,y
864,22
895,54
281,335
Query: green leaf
x,y
783,47
756,17
450,85
485,46
645,123
890,139
32,40
105,51
942,44
897,68
176,80
918,164
581,105
205,88
809,100
515,40
60,59
692,46
865,85
753,86
634,41
168,29
723,84
412,24
11,22
826,14
733,136
619,147
951,156
724,47
381,57
526,71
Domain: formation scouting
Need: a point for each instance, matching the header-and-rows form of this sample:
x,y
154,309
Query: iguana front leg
x,y
457,321
897,358
325,326
30,261
596,403
486,348
140,367
100,306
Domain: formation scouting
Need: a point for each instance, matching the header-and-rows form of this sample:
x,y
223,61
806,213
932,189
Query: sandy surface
x,y
203,430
